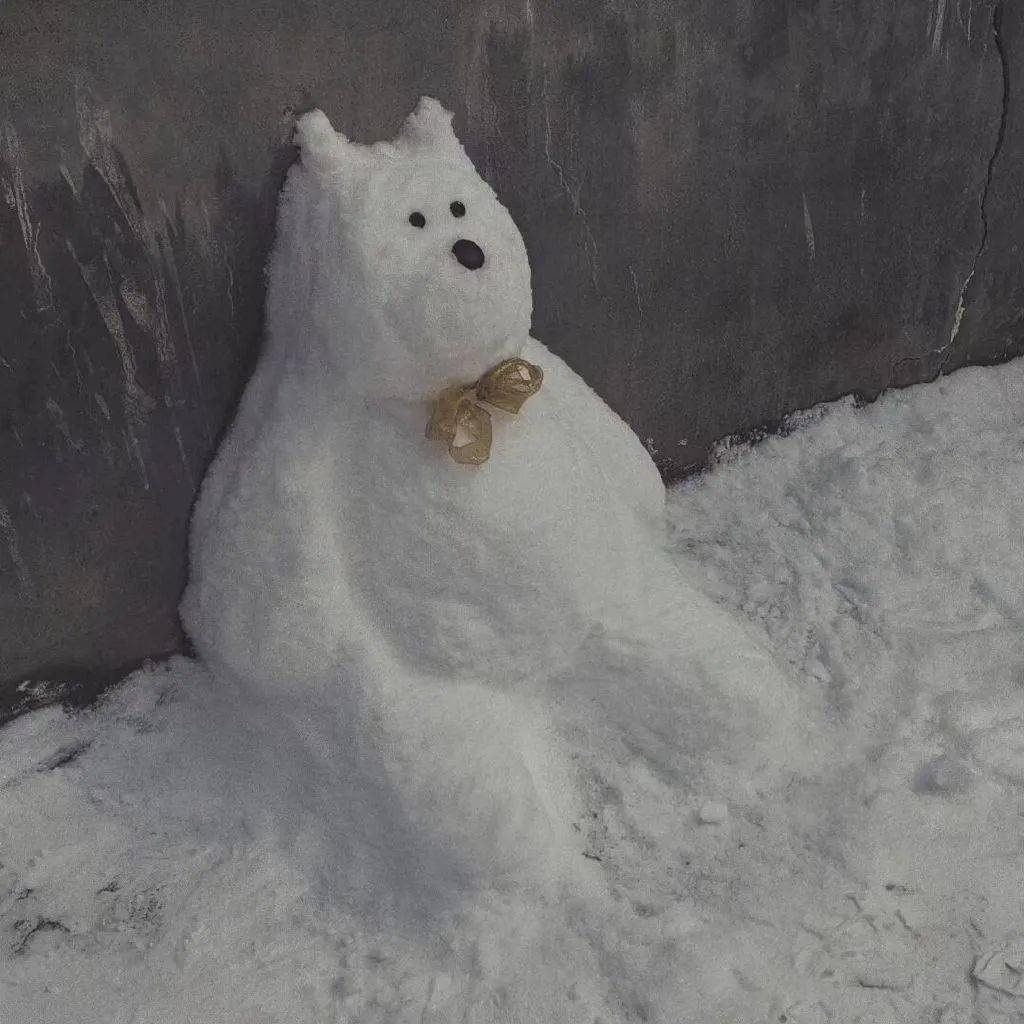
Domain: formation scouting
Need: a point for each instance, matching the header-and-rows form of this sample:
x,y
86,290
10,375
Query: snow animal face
x,y
417,275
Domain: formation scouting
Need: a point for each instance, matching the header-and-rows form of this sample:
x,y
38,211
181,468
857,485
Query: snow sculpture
x,y
420,513
331,530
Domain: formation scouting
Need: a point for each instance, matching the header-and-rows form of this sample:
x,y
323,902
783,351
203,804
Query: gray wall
x,y
733,209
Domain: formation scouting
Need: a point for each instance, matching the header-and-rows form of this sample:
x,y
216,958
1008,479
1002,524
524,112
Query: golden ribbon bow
x,y
506,387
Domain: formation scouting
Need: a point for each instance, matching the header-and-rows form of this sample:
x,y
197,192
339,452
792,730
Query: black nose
x,y
469,254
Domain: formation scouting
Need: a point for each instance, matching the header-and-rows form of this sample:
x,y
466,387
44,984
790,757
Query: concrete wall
x,y
733,210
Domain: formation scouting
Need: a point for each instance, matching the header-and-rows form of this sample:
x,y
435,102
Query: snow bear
x,y
331,530
404,590
390,596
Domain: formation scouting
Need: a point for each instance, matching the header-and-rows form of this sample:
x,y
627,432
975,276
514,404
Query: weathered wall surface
x,y
733,210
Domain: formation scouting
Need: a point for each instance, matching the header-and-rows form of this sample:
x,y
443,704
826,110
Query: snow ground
x,y
152,870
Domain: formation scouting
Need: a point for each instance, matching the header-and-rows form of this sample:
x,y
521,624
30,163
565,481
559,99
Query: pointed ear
x,y
320,145
429,126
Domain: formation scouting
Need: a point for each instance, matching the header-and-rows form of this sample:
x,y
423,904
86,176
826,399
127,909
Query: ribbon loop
x,y
444,418
510,384
463,425
474,424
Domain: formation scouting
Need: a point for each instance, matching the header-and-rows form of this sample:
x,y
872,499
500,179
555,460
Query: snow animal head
x,y
396,270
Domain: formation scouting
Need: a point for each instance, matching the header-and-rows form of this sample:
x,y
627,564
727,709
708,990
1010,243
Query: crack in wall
x,y
961,307
572,192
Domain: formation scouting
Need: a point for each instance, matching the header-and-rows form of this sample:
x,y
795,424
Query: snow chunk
x,y
714,812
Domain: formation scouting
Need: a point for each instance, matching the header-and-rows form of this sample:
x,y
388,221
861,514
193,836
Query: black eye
x,y
417,220
458,210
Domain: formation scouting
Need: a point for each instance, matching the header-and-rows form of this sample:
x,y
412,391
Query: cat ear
x,y
429,126
321,147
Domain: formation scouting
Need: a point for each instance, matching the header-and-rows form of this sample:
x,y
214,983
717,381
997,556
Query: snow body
x,y
421,615
345,566
330,531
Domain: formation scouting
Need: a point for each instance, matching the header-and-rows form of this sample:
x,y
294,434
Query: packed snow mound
x,y
178,854
405,613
